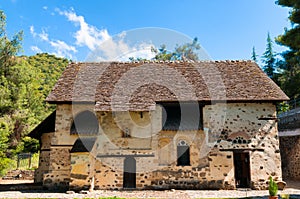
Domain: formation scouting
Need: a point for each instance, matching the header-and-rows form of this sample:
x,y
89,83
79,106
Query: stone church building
x,y
161,125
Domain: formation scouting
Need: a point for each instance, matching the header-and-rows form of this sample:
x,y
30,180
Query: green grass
x,y
24,163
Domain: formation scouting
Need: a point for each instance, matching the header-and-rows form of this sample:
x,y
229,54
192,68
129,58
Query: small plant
x,y
273,188
285,196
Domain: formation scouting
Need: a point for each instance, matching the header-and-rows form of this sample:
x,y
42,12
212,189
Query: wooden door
x,y
242,169
129,173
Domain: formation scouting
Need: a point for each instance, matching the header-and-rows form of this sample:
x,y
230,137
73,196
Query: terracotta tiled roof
x,y
137,86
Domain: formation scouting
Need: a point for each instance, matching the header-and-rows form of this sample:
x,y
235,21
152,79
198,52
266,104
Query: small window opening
x,y
126,133
182,116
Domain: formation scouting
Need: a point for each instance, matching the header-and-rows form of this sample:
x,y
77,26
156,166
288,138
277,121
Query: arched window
x,y
183,153
85,123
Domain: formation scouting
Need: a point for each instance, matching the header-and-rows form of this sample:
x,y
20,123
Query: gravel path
x,y
182,194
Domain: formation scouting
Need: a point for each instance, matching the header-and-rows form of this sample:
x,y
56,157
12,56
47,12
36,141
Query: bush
x,y
5,164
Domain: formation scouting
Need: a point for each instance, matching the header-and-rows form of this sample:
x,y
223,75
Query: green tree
x,y
254,55
4,134
25,83
290,78
269,58
183,52
163,54
8,48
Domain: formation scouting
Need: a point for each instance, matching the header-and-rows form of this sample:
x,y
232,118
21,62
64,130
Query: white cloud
x,y
45,8
35,49
32,32
62,49
43,36
87,35
102,44
141,51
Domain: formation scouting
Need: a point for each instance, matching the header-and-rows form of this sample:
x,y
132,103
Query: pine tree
x,y
254,55
290,78
269,58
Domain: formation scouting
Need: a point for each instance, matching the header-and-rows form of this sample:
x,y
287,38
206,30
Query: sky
x,y
96,30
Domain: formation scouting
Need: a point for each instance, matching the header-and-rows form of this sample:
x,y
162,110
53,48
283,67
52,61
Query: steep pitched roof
x,y
139,85
46,126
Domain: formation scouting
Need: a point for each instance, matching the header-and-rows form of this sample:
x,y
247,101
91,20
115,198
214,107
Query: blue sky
x,y
76,29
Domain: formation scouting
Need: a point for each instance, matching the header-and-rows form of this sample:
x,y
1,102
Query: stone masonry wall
x,y
290,154
227,128
58,176
248,127
81,175
44,157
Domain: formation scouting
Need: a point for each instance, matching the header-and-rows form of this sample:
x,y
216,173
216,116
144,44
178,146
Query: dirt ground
x,y
15,181
293,188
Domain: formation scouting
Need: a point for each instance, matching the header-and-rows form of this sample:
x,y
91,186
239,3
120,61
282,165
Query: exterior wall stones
x,y
109,176
81,171
242,126
44,157
43,166
227,128
58,176
290,154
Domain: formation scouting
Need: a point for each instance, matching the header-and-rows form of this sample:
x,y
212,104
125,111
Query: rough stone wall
x,y
63,122
213,172
126,130
290,154
242,126
81,175
108,176
227,127
43,166
44,157
58,176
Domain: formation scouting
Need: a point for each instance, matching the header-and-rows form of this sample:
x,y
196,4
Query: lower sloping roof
x,y
46,126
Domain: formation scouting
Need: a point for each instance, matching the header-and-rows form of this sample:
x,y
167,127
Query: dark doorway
x,y
242,169
129,175
183,153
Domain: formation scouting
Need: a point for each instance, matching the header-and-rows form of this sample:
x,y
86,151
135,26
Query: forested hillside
x,y
23,89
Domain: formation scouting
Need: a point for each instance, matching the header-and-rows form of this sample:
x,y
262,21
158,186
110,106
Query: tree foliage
x,y
254,55
269,59
23,103
183,52
290,80
24,84
8,47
